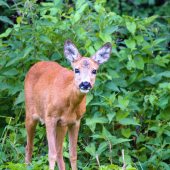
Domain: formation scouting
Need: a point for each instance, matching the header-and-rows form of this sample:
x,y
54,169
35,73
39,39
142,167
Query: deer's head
x,y
85,68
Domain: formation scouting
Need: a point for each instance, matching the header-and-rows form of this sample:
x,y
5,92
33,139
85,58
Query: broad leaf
x,y
5,19
128,121
131,26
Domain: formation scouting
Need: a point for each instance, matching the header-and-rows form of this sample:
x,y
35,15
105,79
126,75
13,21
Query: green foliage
x,y
128,107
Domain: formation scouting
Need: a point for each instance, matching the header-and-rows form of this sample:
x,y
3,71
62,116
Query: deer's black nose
x,y
85,85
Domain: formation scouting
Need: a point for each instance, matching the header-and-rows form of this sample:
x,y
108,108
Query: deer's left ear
x,y
102,54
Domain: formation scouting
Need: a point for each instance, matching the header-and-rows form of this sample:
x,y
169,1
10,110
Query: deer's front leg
x,y
73,135
51,137
61,132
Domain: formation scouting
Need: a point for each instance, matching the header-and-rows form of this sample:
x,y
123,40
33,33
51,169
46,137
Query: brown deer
x,y
57,96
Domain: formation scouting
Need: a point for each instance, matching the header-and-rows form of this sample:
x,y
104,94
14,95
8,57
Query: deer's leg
x,y
30,128
61,132
73,135
51,137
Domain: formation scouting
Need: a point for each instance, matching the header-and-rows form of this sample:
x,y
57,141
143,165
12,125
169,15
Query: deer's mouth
x,y
85,87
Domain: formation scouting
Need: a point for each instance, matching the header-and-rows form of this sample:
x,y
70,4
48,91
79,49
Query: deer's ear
x,y
102,54
70,51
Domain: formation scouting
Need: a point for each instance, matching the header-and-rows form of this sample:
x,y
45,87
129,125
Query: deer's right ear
x,y
70,51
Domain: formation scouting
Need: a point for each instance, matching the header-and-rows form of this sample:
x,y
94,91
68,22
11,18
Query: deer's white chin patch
x,y
84,91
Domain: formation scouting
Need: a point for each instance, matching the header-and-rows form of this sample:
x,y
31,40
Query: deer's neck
x,y
75,95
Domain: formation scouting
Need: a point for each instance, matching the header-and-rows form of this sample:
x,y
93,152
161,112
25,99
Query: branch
x,y
97,158
110,152
124,165
133,3
18,12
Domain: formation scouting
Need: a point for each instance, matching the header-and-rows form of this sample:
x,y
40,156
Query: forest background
x,y
128,109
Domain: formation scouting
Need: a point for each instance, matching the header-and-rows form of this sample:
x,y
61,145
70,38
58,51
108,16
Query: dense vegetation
x,y
129,107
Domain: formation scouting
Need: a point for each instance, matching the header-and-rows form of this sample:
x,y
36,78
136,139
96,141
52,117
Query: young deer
x,y
57,96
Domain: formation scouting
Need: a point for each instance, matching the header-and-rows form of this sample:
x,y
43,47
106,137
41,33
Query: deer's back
x,y
45,80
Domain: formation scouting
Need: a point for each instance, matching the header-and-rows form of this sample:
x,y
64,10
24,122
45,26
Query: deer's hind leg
x,y
30,128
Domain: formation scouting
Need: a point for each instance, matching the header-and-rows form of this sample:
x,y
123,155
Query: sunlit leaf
x,y
131,26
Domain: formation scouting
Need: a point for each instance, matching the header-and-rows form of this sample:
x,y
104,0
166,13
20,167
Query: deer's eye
x,y
94,71
77,70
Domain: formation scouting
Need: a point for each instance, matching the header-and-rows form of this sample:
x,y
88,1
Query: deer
x,y
57,96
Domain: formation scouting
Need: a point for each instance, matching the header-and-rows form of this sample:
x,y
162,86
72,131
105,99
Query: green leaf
x,y
130,43
101,120
131,26
56,2
92,127
106,134
166,113
149,20
139,39
45,39
121,114
112,86
4,86
162,102
128,121
6,33
152,80
97,45
155,129
20,98
115,52
132,78
82,8
11,72
3,3
56,56
113,73
141,138
106,37
152,99
79,3
167,132
91,149
3,156
5,19
97,7
77,16
165,74
19,19
102,147
115,141
165,165
89,97
131,64
23,132
78,13
127,158
111,29
91,50
139,62
122,101
157,41
126,132
21,56
110,116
